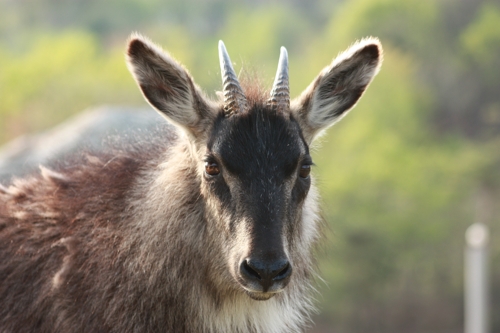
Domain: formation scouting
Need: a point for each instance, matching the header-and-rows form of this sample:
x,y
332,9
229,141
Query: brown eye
x,y
212,168
305,170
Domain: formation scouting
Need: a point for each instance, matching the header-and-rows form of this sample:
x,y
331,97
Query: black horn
x,y
280,93
234,98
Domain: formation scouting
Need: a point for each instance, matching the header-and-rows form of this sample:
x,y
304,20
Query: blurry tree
x,y
57,76
443,43
400,201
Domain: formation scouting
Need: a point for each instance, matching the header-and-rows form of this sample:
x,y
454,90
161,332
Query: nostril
x,y
250,272
284,273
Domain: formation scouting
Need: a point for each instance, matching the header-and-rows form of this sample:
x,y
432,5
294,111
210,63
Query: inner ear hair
x,y
338,87
167,86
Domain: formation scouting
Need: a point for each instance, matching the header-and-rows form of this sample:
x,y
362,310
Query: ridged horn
x,y
280,93
234,98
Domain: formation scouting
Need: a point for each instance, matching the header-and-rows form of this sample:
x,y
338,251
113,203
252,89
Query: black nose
x,y
266,273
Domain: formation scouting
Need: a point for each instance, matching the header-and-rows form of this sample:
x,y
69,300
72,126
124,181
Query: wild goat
x,y
206,228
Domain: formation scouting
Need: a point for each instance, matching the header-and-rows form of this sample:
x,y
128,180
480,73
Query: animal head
x,y
252,155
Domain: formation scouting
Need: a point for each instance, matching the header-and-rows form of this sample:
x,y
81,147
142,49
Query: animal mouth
x,y
257,294
260,296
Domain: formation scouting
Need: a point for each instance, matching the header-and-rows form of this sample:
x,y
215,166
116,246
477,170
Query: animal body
x,y
207,226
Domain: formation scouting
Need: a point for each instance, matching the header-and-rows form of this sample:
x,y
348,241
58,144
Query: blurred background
x,y
402,176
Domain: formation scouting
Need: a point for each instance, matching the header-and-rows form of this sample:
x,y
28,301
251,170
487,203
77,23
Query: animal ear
x,y
337,88
167,86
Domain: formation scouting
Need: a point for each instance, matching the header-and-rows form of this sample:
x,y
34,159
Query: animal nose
x,y
266,273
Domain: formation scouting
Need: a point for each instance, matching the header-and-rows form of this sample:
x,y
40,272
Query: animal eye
x,y
305,170
212,168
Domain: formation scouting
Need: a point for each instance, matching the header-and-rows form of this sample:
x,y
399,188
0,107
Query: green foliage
x,y
481,40
57,76
400,195
391,192
406,24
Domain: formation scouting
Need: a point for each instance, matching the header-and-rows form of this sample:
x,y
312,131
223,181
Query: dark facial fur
x,y
260,154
